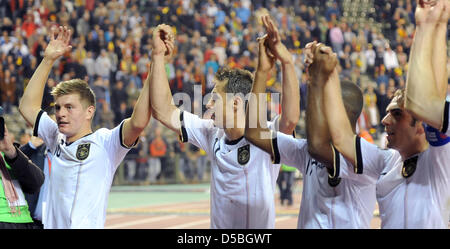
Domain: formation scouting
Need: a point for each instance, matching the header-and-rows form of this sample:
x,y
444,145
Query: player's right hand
x,y
163,40
325,61
277,48
429,12
445,13
60,45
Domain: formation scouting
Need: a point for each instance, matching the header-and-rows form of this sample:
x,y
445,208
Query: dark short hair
x,y
353,100
238,80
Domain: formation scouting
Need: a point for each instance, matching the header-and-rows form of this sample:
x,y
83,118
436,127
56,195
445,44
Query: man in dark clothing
x,y
36,151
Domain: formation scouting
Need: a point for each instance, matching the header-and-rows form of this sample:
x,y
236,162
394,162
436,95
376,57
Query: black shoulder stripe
x,y
36,123
275,151
359,161
121,138
337,164
183,134
445,121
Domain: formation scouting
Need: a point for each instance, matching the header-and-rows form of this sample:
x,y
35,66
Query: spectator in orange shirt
x,y
28,26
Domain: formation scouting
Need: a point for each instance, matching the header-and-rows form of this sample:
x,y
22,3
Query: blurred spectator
x,y
8,90
89,64
370,103
390,58
103,65
382,77
336,38
118,95
285,181
333,11
370,57
184,164
158,149
383,101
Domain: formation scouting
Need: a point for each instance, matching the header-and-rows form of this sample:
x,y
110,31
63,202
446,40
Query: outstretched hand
x,y
266,60
277,48
60,45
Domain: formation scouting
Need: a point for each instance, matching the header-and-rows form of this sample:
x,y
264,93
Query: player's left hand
x,y
266,60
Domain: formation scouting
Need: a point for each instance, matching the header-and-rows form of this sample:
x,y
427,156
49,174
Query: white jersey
x,y
329,199
243,178
81,175
42,199
408,196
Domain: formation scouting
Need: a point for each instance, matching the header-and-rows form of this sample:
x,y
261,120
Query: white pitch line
x,y
138,222
190,224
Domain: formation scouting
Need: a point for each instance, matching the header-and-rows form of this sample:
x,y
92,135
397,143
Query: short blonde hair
x,y
75,86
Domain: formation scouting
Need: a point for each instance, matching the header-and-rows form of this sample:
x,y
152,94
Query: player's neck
x,y
234,133
420,146
79,135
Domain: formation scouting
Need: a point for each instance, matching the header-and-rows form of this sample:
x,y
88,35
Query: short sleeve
x,y
370,162
445,130
114,145
47,129
196,130
289,150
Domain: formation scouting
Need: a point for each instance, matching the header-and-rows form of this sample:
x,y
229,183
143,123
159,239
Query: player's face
x,y
218,106
399,126
71,116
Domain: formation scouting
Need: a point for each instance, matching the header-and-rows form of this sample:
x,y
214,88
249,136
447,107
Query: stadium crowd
x,y
111,47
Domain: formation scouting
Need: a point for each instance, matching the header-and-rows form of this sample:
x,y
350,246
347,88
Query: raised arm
x,y
256,130
161,97
342,135
290,100
30,104
439,59
133,126
425,93
318,134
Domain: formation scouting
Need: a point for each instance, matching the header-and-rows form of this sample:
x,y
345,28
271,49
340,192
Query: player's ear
x,y
420,127
238,102
90,112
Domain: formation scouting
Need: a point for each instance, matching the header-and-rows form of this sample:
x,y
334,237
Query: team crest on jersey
x,y
83,151
244,154
409,167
